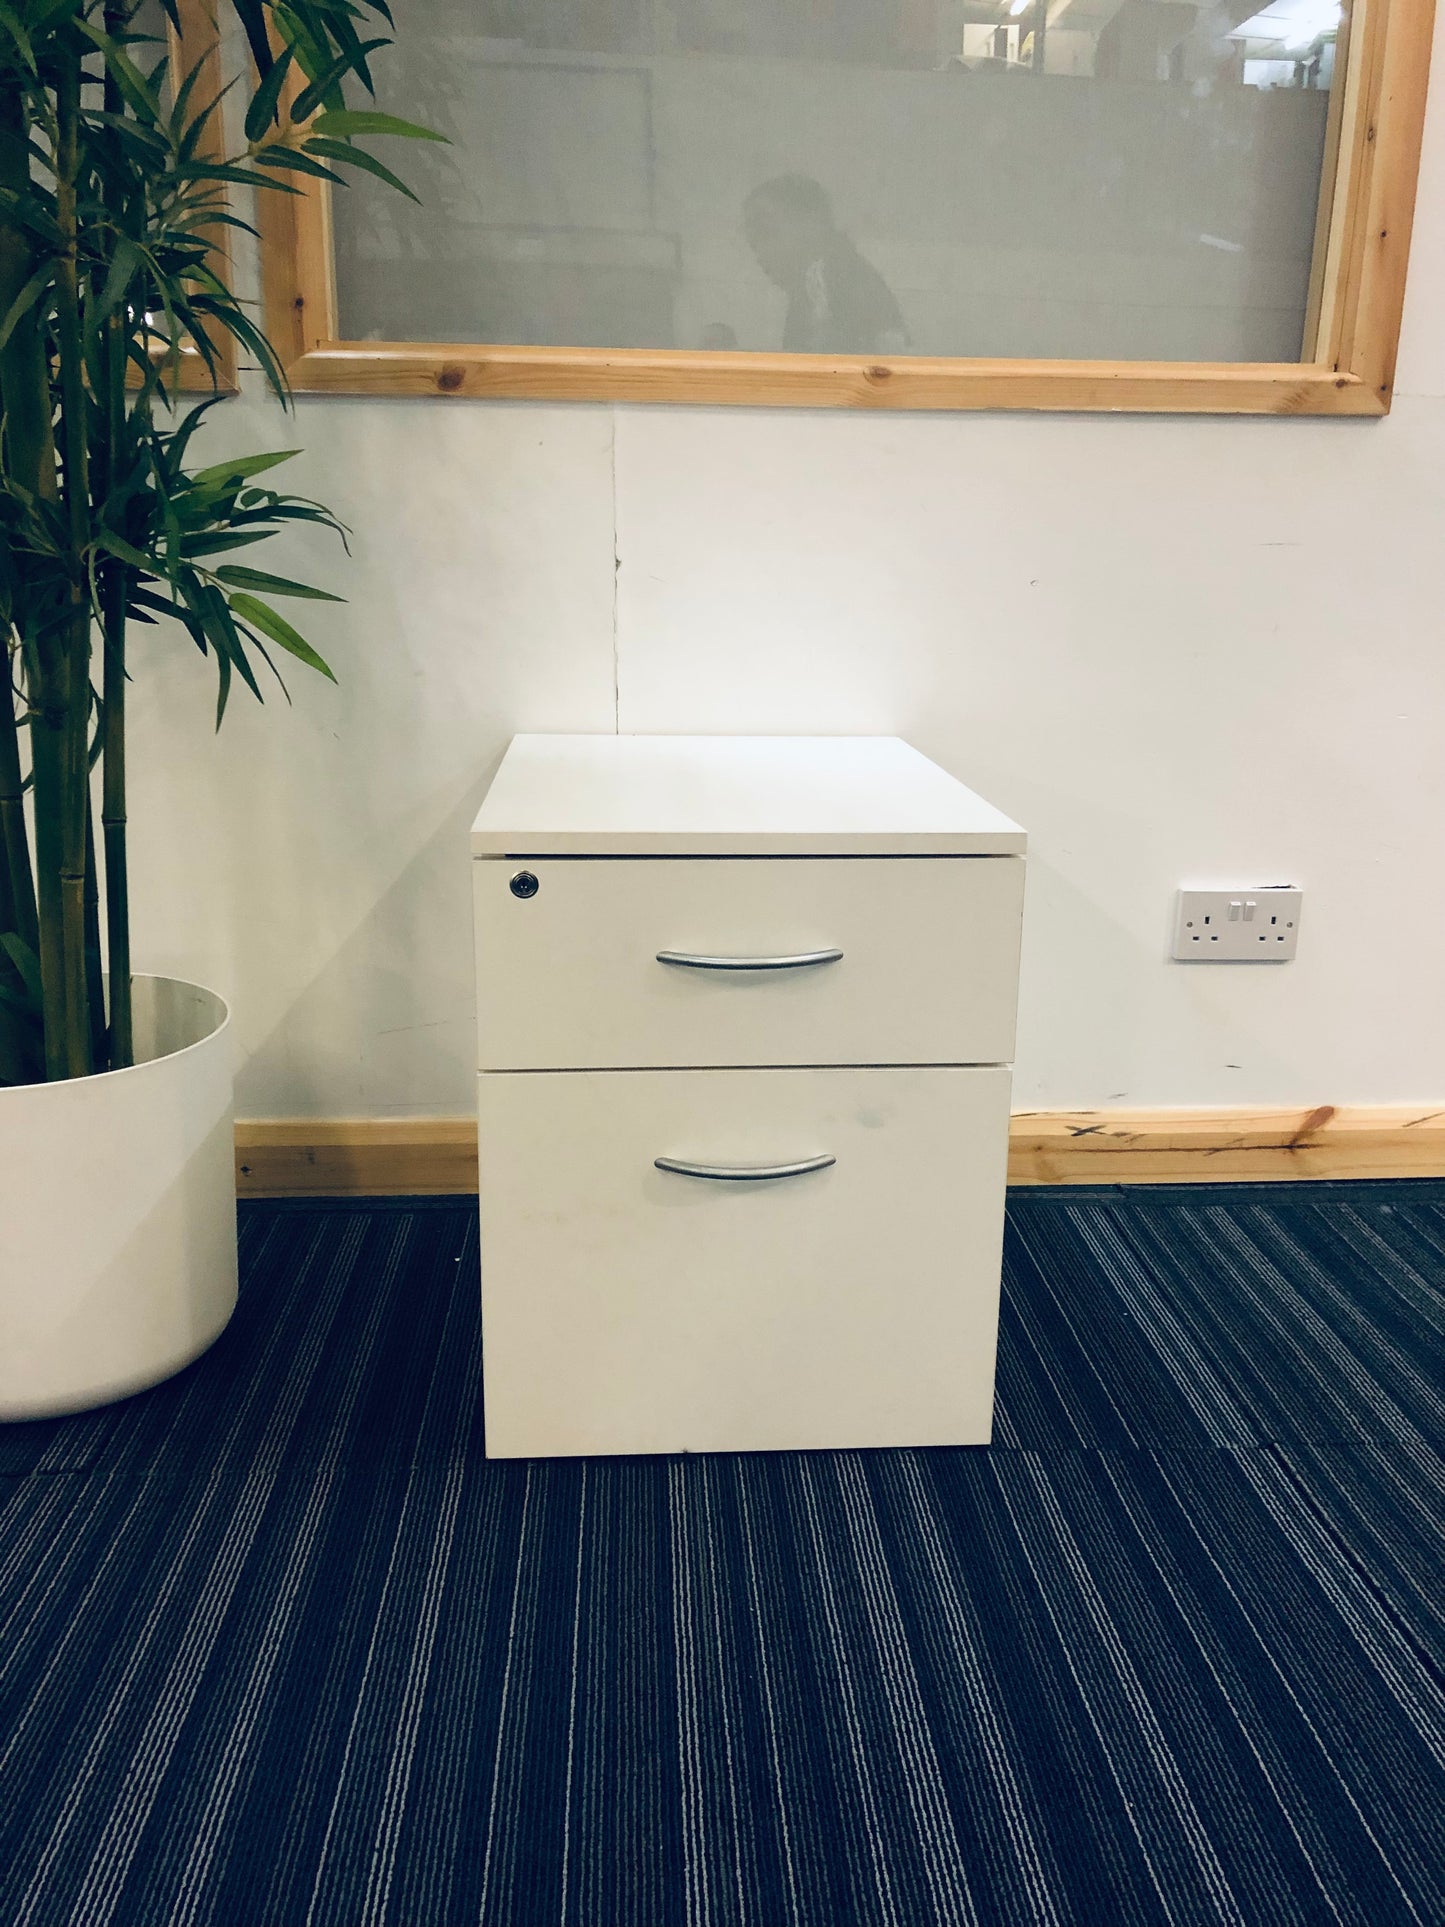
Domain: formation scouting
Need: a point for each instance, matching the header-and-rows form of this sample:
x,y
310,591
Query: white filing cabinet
x,y
745,1016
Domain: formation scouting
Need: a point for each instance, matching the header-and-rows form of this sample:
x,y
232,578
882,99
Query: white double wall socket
x,y
1238,926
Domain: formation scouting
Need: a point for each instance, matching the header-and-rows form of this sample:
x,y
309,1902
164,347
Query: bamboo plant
x,y
115,183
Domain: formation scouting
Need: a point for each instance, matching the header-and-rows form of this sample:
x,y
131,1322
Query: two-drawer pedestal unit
x,y
745,1018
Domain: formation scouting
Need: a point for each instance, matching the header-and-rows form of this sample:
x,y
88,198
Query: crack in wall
x,y
616,572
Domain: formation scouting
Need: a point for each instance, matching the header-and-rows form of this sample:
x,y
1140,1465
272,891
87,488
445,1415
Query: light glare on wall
x,y
1291,23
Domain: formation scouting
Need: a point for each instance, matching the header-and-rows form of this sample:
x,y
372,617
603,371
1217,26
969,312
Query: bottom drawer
x,y
631,1309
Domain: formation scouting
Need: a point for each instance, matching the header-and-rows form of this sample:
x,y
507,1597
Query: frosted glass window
x,y
1031,178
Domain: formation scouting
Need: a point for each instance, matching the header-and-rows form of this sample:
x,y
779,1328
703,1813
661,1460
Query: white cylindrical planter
x,y
118,1213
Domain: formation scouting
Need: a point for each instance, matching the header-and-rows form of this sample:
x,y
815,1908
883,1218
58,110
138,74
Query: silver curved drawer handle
x,y
745,1173
803,961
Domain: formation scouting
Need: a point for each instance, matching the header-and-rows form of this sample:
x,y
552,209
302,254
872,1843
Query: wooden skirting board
x,y
408,1157
437,1156
1212,1147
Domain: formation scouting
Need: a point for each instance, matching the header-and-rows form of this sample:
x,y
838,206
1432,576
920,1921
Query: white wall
x,y
1174,649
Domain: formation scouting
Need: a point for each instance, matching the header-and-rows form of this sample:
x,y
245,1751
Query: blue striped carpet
x,y
278,1645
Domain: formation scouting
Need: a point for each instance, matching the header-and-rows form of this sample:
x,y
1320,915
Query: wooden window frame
x,y
1353,318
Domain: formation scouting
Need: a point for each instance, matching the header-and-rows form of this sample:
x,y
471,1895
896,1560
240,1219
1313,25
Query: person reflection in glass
x,y
838,303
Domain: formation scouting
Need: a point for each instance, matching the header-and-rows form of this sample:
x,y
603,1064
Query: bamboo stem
x,y
29,450
18,1035
47,732
73,769
113,675
113,826
94,985
31,461
24,373
19,910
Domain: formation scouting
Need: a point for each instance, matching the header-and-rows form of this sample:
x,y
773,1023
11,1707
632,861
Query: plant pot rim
x,y
18,1093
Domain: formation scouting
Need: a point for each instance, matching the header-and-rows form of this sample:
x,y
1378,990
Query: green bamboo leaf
x,y
25,301
237,577
347,155
252,16
250,337
223,688
194,128
125,266
231,174
159,78
180,441
364,120
144,600
213,217
26,212
311,97
331,23
42,20
13,999
189,81
263,617
292,512
25,960
22,1043
219,625
293,160
108,540
129,78
263,108
313,49
17,33
242,468
193,546
133,134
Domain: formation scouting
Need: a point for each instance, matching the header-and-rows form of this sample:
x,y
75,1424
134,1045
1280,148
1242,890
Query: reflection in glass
x,y
1133,179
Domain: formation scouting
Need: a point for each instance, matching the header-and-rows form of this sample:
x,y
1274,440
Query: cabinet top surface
x,y
741,795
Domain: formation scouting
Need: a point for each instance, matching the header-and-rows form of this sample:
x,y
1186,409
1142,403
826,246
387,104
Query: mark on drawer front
x,y
872,1120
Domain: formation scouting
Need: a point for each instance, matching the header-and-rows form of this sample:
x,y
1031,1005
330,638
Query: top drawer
x,y
570,978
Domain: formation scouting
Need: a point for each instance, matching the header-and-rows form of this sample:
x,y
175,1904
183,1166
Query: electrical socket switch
x,y
1237,926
